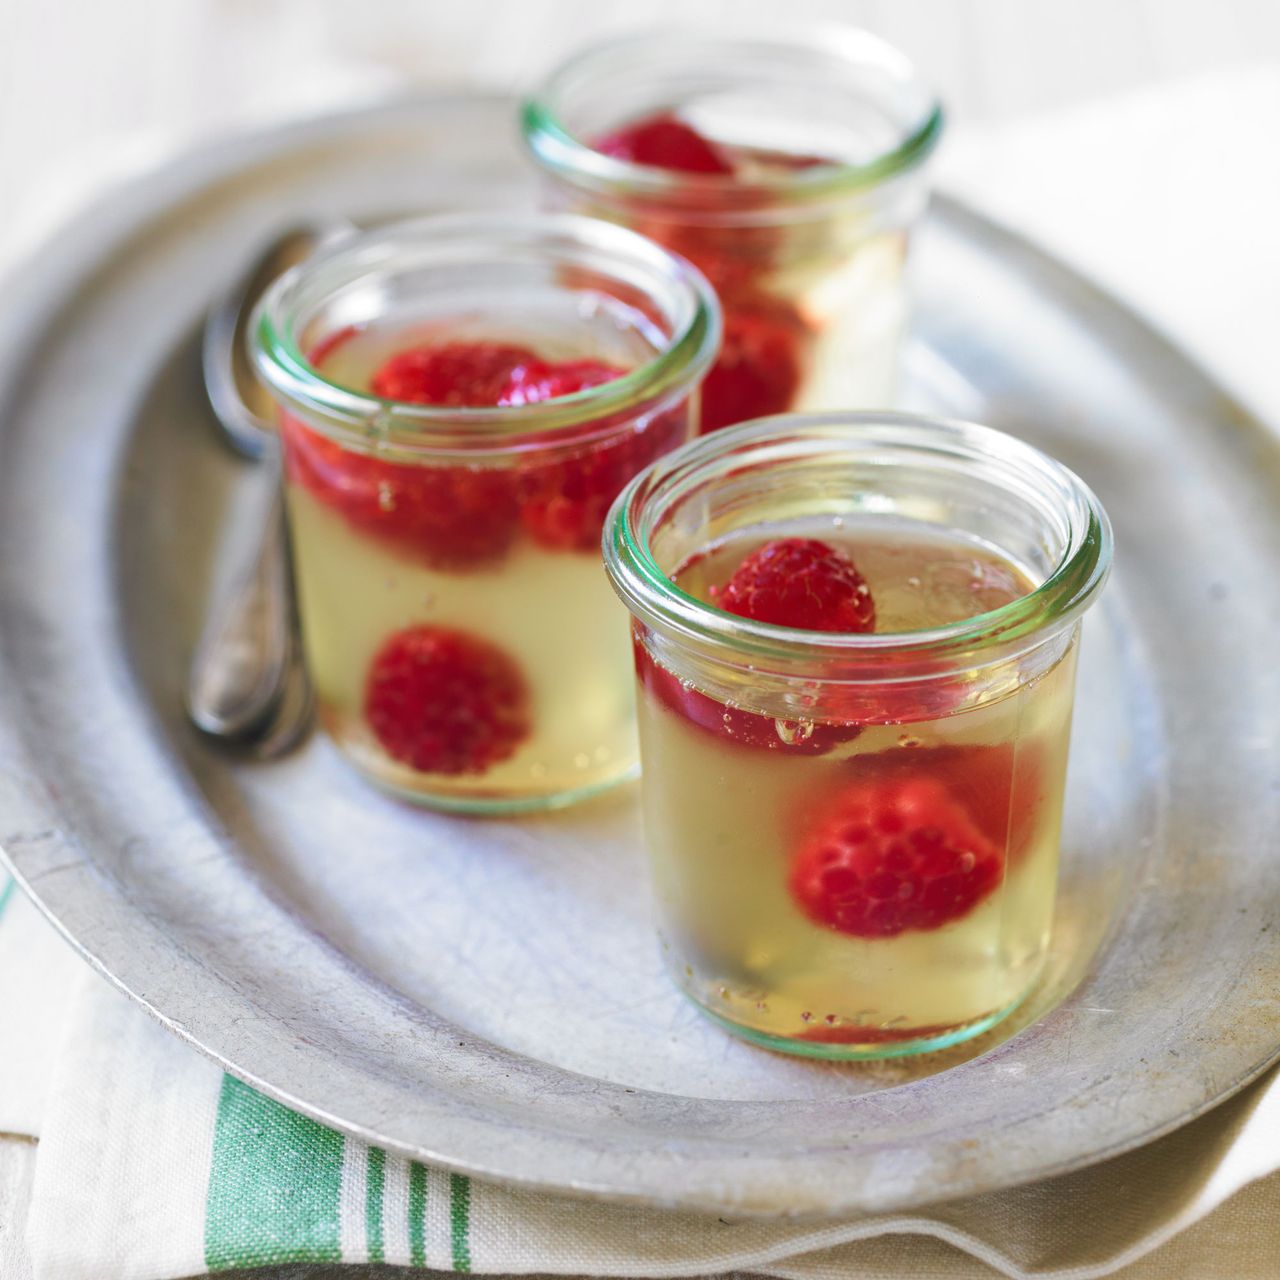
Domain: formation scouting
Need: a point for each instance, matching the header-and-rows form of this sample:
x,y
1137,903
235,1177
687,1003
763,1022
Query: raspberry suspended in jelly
x,y
564,500
891,855
760,367
442,701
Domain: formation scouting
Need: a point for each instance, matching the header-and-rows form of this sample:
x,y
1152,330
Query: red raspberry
x,y
1001,786
842,1033
563,502
480,374
566,499
803,583
442,701
456,374
892,855
327,345
732,724
458,517
664,142
449,517
544,380
759,368
793,160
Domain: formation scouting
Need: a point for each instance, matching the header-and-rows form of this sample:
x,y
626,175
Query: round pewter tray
x,y
487,995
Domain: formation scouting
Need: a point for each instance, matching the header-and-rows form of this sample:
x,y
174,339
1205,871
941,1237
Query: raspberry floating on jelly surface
x,y
484,375
453,375
442,701
452,518
538,380
735,725
462,517
664,142
803,583
892,855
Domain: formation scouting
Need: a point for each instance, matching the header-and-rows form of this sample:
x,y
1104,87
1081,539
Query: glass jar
x,y
465,648
820,140
854,837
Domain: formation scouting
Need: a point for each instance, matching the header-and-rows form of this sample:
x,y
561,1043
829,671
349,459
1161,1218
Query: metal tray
x,y
486,995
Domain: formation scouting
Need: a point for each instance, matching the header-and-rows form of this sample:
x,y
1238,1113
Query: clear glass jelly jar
x,y
854,837
822,136
465,648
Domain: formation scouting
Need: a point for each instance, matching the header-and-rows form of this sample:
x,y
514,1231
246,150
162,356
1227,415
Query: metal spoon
x,y
240,402
248,683
238,676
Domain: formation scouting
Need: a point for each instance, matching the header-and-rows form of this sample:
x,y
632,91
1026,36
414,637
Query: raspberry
x,y
544,380
456,374
892,855
664,142
480,374
838,1033
759,368
565,499
450,517
794,160
732,724
908,702
1001,786
442,701
327,345
800,582
460,517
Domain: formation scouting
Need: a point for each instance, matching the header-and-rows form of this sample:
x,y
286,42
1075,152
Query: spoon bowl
x,y
239,401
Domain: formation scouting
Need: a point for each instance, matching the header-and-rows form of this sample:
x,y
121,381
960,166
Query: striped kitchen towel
x,y
153,1164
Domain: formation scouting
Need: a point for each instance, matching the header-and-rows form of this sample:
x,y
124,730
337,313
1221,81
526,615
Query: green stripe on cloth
x,y
274,1185
6,891
417,1215
375,1181
460,1220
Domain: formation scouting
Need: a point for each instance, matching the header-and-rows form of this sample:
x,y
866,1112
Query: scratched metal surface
x,y
487,995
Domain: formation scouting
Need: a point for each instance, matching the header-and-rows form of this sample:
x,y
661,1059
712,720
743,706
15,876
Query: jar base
x,y
930,1040
495,806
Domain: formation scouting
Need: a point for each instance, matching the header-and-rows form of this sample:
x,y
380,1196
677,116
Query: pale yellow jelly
x,y
726,823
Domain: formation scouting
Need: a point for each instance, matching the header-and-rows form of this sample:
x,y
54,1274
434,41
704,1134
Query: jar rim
x,y
656,600
346,412
555,146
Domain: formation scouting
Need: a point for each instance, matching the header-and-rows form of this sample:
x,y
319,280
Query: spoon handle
x,y
239,673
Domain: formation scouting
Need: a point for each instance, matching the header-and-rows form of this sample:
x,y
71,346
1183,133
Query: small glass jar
x,y
823,136
464,645
854,837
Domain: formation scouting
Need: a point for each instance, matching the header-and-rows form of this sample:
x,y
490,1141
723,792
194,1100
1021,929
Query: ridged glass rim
x,y
574,160
281,363
653,598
